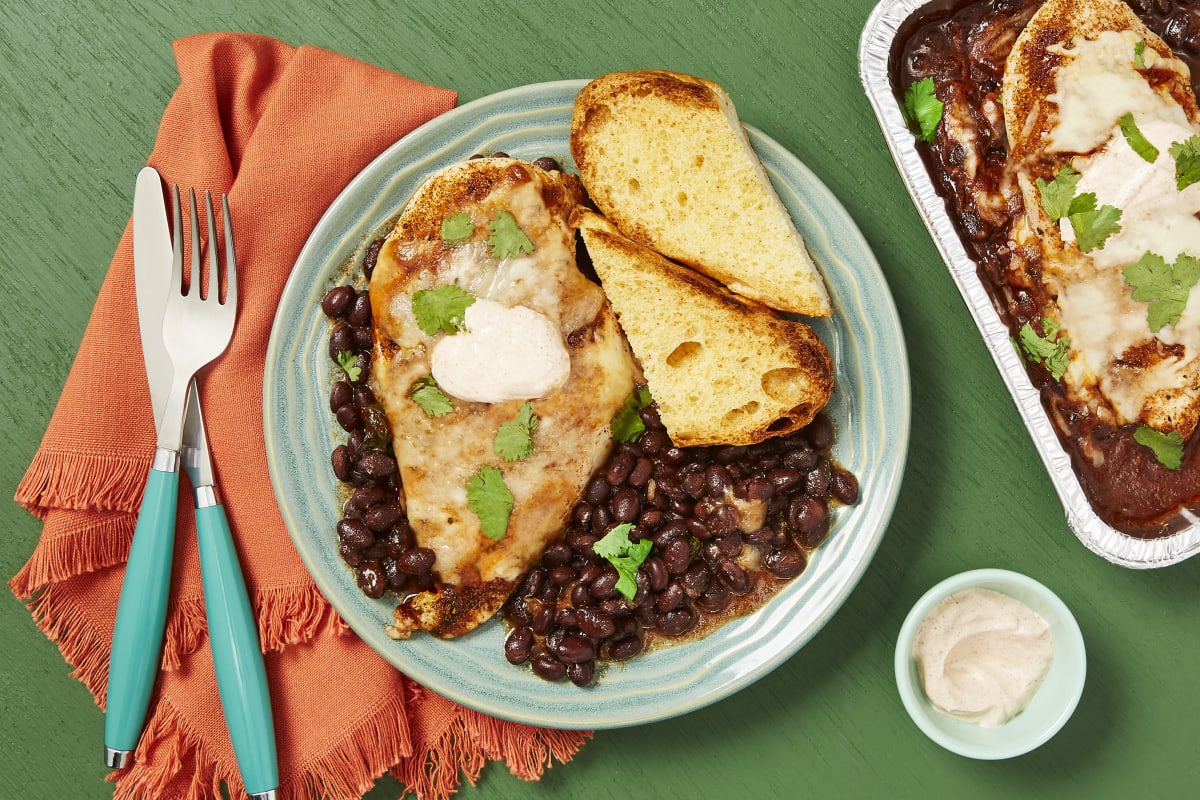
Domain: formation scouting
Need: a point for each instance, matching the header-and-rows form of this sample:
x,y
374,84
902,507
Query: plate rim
x,y
636,714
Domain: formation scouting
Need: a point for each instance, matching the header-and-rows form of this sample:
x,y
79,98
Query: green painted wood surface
x,y
81,90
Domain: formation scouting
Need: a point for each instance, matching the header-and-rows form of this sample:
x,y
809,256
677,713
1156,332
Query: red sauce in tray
x,y
963,47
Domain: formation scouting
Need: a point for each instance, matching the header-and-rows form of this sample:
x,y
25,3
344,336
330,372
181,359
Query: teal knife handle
x,y
237,655
141,614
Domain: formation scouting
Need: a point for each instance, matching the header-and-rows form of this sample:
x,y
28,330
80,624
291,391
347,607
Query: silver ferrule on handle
x,y
166,460
267,795
207,496
117,759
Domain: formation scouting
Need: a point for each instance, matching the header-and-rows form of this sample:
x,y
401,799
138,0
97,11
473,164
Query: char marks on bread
x,y
723,369
666,160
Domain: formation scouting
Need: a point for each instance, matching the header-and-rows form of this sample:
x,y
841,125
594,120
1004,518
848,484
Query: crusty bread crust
x,y
723,369
665,159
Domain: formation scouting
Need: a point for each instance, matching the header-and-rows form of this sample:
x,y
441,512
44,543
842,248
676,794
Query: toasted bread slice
x,y
723,369
666,160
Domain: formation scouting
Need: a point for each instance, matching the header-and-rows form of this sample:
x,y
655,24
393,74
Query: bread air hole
x,y
734,415
634,185
682,198
685,352
784,384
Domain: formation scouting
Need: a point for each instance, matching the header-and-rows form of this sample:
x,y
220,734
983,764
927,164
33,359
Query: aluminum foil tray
x,y
875,49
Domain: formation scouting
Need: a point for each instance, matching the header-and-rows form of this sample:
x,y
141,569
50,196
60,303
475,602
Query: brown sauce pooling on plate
x,y
963,47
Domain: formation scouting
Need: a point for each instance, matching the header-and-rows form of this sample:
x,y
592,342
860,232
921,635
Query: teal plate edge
x,y
870,408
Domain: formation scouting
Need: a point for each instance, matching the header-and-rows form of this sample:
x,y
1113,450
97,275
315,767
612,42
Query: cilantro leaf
x,y
624,555
1050,350
1187,162
1164,286
627,424
1140,144
432,400
457,228
507,239
1092,225
1167,447
491,501
514,440
1058,193
441,309
922,108
349,362
1139,54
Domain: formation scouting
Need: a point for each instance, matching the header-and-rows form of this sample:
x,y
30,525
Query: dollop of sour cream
x,y
504,353
982,656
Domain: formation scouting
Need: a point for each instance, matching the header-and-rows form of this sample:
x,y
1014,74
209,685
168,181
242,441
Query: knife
x,y
232,630
142,608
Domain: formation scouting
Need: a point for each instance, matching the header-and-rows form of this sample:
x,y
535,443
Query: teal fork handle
x,y
237,655
141,617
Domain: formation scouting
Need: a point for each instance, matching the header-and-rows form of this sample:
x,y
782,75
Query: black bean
x,y
360,311
639,476
567,617
371,579
674,456
518,645
580,596
581,515
383,516
597,490
627,648
363,396
519,612
656,570
350,555
355,533
534,582
341,394
696,579
342,463
820,432
816,483
654,442
717,480
693,484
354,443
787,562
596,623
727,454
363,339
418,561
650,418
363,363
730,545
547,163
605,586
557,554
368,496
547,667
759,488
802,459
670,598
844,487
581,674
724,521
714,599
337,301
735,577
626,505
348,417
677,555
619,468
601,521
341,340
806,515
679,621
371,257
543,619
574,649
785,479
377,464
698,528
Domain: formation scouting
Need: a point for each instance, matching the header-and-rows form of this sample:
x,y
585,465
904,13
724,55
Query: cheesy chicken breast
x,y
1102,125
500,367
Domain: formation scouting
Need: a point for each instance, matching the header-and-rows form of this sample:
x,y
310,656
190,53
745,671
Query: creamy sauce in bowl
x,y
982,656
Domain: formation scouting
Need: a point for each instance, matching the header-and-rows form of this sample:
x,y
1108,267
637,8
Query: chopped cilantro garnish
x,y
1164,286
1058,193
1167,447
624,555
514,440
922,109
349,362
441,309
627,425
1187,162
507,239
1050,350
1139,54
457,228
1140,144
432,400
1092,225
491,501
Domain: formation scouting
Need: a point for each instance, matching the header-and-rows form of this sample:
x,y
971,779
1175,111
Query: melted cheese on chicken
x,y
438,455
1073,74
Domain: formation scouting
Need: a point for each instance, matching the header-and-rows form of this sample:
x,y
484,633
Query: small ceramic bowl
x,y
1049,709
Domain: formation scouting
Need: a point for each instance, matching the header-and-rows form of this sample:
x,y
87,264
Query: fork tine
x,y
176,240
230,256
214,266
194,283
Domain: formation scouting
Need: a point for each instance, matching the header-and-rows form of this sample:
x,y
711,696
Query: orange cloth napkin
x,y
282,130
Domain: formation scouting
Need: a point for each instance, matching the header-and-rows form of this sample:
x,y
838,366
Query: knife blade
x,y
232,629
142,608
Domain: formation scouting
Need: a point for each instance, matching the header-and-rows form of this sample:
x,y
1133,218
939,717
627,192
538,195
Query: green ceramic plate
x,y
870,407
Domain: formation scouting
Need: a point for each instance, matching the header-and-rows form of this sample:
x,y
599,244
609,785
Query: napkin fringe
x,y
101,543
470,739
80,643
83,481
170,756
